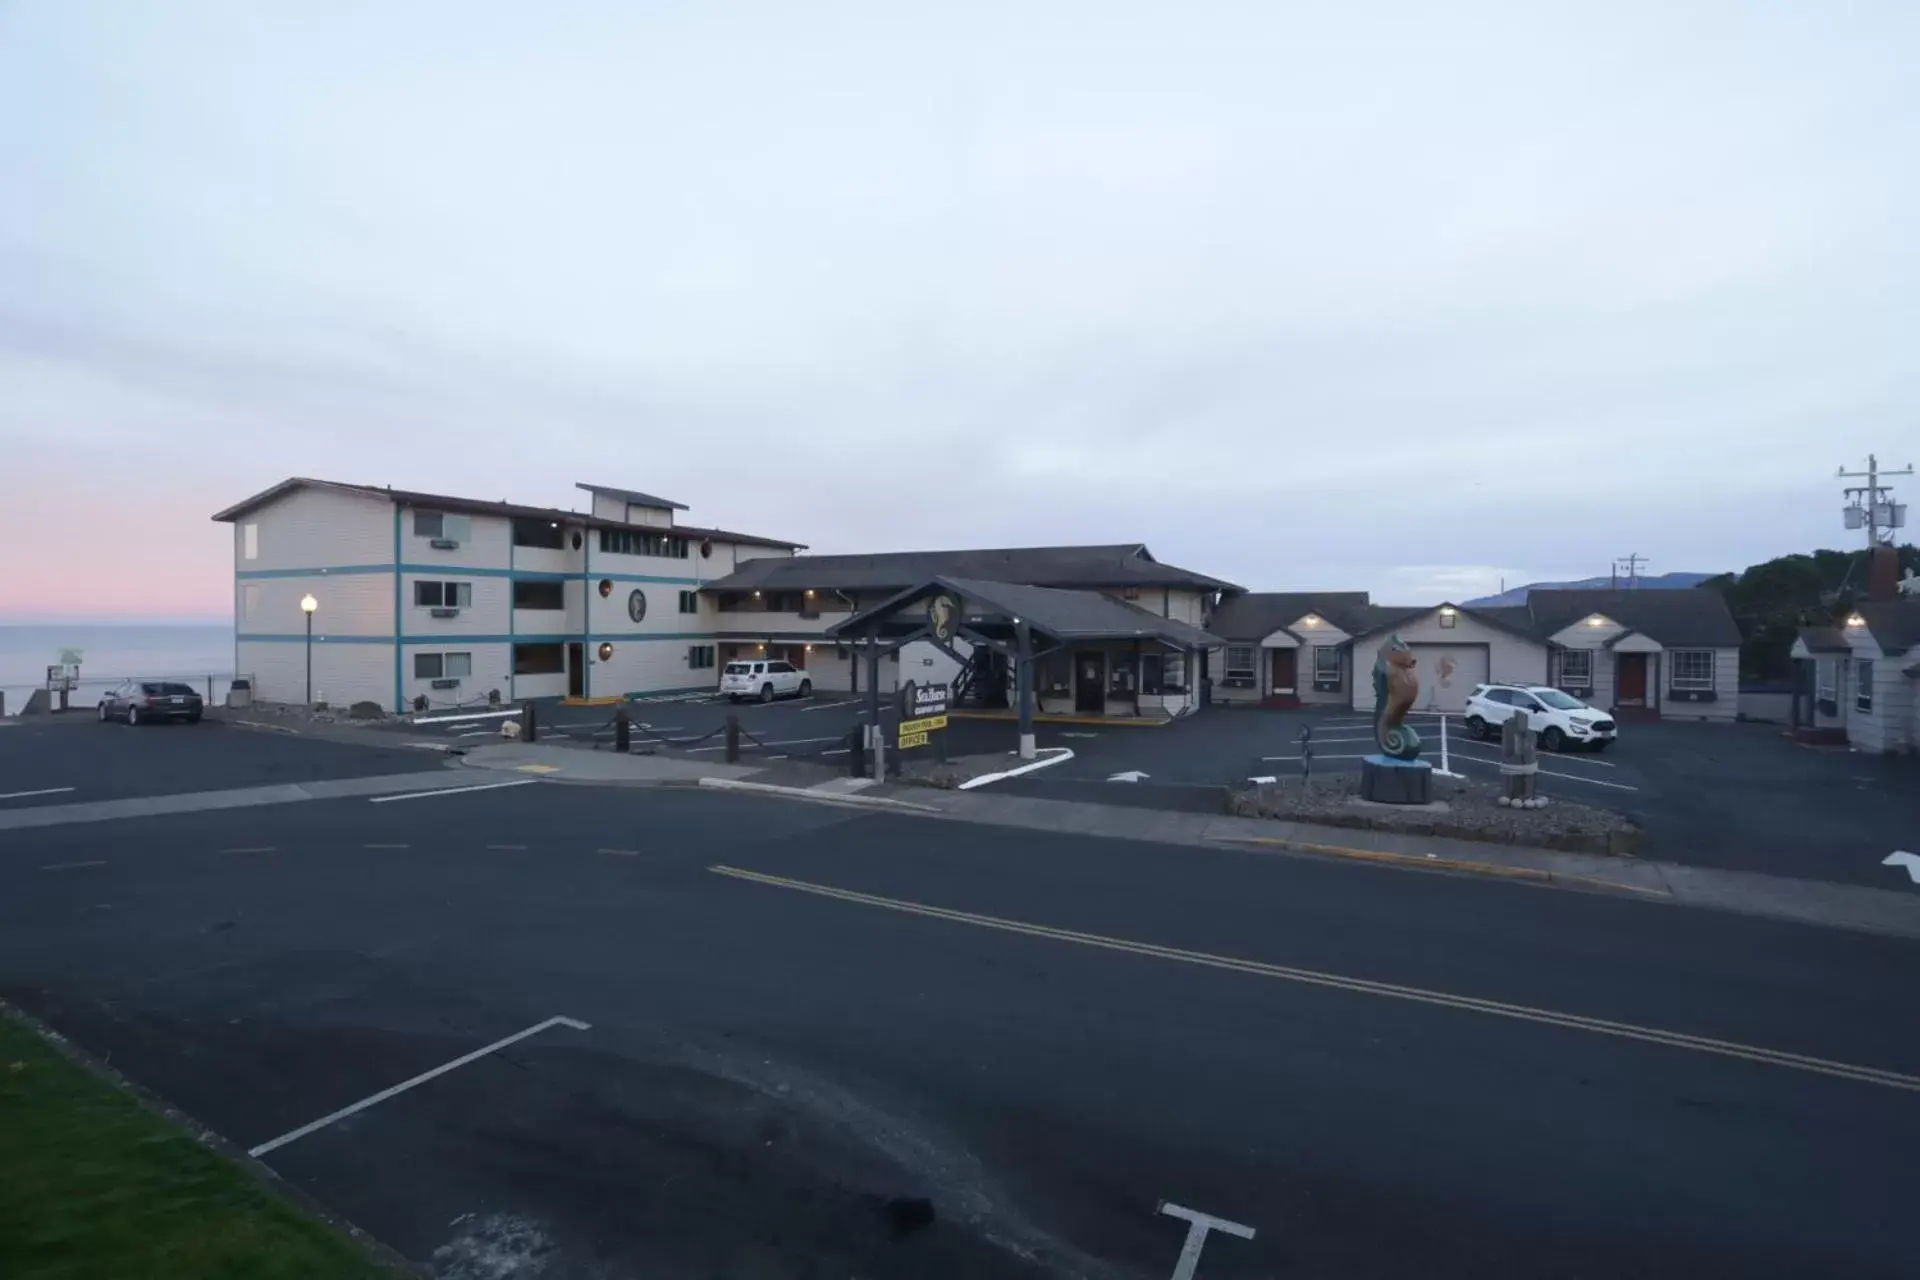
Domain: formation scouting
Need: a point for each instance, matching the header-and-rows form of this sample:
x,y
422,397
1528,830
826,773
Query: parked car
x,y
141,701
1560,719
764,680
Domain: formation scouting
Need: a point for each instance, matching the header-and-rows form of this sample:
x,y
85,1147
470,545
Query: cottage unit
x,y
1655,653
1859,683
423,596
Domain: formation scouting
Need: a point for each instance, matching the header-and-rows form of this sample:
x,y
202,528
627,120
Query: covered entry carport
x,y
1065,652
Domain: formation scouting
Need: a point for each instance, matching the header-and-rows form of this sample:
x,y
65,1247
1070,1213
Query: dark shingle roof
x,y
1685,617
477,506
1120,565
1825,640
1894,624
1066,615
1259,614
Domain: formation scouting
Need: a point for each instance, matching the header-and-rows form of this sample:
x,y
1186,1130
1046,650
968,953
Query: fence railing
x,y
89,689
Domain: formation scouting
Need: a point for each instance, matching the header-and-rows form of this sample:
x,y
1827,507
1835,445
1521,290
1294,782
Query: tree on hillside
x,y
1772,601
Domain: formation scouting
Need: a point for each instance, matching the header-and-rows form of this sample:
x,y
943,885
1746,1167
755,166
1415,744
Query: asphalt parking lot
x,y
75,759
618,1054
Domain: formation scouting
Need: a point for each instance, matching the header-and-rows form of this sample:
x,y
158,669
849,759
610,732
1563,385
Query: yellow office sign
x,y
912,740
927,725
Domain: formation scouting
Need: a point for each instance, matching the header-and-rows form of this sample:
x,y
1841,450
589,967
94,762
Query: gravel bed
x,y
1464,809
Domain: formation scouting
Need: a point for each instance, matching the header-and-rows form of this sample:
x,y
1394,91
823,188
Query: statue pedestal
x,y
1385,780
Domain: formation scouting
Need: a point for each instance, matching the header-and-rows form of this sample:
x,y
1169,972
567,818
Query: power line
x,y
1867,506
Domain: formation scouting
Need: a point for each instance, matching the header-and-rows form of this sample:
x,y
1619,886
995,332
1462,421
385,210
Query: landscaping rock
x,y
366,711
1463,809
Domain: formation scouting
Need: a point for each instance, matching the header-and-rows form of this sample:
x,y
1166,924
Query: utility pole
x,y
1631,563
1868,505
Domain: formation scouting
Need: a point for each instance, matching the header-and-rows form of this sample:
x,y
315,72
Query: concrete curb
x,y
847,800
1430,862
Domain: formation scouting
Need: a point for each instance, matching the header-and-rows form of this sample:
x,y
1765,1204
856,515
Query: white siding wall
x,y
492,664
1510,658
344,672
1726,690
488,543
608,507
1888,727
1217,669
830,672
351,604
486,616
647,666
1594,639
317,528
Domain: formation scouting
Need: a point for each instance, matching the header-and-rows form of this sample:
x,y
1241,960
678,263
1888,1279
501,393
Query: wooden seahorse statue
x,y
1396,687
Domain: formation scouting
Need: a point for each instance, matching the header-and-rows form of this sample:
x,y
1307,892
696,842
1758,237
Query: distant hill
x,y
1647,582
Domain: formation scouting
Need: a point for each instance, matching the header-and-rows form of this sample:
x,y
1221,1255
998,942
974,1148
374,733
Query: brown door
x,y
576,669
1633,679
1283,667
1088,693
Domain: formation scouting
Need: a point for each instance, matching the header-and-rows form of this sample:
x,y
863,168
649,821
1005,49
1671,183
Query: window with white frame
x,y
1826,675
1326,665
443,595
700,656
1240,664
1863,684
438,524
442,666
689,602
1692,669
1576,668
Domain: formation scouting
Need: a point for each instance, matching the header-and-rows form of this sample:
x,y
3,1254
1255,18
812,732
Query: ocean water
x,y
112,654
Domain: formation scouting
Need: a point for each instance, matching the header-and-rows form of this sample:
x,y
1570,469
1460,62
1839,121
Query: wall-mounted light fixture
x,y
1855,620
1596,621
1310,621
606,651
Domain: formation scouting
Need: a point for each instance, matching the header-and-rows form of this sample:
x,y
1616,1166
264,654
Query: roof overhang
x,y
1281,639
903,616
1635,642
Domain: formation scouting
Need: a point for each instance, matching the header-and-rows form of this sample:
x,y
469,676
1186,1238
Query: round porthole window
x,y
706,548
606,587
606,651
576,539
637,605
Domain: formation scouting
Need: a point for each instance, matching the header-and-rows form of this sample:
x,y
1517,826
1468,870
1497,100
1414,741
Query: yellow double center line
x,y
1361,986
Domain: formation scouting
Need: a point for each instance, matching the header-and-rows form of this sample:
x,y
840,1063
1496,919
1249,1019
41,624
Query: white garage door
x,y
1448,673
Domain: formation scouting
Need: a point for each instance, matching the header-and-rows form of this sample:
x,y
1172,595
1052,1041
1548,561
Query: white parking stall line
x,y
1059,755
459,716
824,706
1569,759
452,791
404,1085
478,733
44,791
1544,772
1329,756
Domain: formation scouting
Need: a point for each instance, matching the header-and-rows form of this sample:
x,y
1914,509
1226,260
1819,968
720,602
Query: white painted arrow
x,y
1131,775
1911,861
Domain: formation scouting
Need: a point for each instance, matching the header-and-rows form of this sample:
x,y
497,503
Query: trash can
x,y
240,693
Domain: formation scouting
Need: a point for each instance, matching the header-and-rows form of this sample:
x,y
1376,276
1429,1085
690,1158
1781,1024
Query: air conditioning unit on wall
x,y
445,611
445,544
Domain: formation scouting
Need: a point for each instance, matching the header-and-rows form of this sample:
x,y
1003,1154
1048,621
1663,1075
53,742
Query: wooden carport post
x,y
876,737
1023,682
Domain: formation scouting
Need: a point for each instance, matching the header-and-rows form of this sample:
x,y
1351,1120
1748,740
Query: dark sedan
x,y
147,701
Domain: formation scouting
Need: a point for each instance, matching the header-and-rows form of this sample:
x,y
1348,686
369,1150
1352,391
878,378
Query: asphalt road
x,y
71,761
1044,1036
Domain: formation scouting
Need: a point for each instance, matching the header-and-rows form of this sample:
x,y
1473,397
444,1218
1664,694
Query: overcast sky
x,y
1404,297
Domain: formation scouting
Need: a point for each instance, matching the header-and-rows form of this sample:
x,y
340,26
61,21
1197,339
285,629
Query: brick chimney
x,y
1883,574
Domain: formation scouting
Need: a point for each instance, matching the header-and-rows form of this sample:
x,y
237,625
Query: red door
x,y
1283,671
1633,679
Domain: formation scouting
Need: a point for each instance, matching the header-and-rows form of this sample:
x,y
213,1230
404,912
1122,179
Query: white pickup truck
x,y
764,680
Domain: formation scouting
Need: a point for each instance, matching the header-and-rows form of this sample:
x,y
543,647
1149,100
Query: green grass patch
x,y
95,1185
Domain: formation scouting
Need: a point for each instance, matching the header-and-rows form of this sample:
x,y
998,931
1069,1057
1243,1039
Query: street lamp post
x,y
307,606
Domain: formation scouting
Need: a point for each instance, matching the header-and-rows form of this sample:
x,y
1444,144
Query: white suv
x,y
764,680
1560,720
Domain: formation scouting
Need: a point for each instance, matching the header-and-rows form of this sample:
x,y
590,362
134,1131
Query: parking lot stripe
x,y
823,706
44,791
405,1085
1553,773
457,717
620,853
507,848
386,846
1570,759
782,742
257,848
452,791
71,866
1360,986
1358,755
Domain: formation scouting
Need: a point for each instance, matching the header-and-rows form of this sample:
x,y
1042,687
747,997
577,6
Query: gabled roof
x,y
633,496
476,506
1680,618
1064,615
1894,624
1259,614
1509,618
1117,565
1825,640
